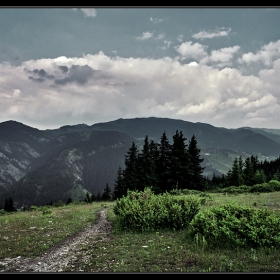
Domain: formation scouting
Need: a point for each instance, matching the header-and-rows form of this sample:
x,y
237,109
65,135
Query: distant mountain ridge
x,y
206,134
38,166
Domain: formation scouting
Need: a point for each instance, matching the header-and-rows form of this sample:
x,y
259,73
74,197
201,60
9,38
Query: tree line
x,y
248,171
161,166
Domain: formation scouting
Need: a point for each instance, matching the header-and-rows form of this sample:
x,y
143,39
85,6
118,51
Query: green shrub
x,y
232,189
185,192
264,187
145,211
58,203
47,212
33,207
274,184
236,226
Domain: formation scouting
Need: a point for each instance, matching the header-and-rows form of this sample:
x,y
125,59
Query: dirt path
x,y
64,254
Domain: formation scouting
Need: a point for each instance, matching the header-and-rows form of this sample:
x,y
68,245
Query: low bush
x,y
58,203
145,211
271,186
236,226
184,191
264,187
33,208
274,184
233,189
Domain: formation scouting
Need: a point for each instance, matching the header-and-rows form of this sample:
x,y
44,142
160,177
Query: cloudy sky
x,y
65,66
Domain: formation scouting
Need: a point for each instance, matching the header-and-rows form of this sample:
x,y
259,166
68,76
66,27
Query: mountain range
x,y
42,166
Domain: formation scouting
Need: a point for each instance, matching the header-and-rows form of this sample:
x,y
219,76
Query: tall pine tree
x,y
131,178
107,194
196,178
119,187
146,166
180,174
163,163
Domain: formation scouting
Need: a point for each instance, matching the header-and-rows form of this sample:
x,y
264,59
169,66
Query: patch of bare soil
x,y
63,255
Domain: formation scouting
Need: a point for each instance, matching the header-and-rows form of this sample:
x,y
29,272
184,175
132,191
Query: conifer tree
x,y
180,173
9,205
163,164
154,178
234,176
259,177
276,175
119,187
131,177
196,179
107,194
147,166
255,162
69,200
87,198
248,172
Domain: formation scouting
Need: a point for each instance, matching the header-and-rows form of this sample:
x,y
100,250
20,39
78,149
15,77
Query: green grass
x,y
31,233
270,200
171,251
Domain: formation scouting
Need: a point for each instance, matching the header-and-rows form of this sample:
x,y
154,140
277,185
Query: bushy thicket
x,y
236,226
271,186
143,211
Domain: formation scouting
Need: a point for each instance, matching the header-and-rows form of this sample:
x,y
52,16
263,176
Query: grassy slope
x,y
30,233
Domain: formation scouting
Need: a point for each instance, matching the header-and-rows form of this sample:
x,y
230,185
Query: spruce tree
x,y
131,178
196,179
255,162
9,205
259,177
119,187
179,172
87,198
107,193
234,175
146,166
248,172
154,179
69,200
163,164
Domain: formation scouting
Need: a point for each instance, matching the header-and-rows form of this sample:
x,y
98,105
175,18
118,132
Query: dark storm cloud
x,y
40,80
41,72
64,69
38,75
77,73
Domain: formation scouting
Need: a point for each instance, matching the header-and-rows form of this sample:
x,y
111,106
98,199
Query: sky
x,y
72,65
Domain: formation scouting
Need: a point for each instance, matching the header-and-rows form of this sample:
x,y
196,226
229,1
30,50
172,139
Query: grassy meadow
x,y
30,233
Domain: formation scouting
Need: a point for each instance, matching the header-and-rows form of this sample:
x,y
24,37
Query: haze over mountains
x,y
39,166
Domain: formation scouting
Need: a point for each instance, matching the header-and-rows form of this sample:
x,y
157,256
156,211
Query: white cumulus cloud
x,y
145,35
219,32
222,57
192,50
266,55
49,93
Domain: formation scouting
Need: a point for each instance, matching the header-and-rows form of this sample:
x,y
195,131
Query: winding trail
x,y
64,254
